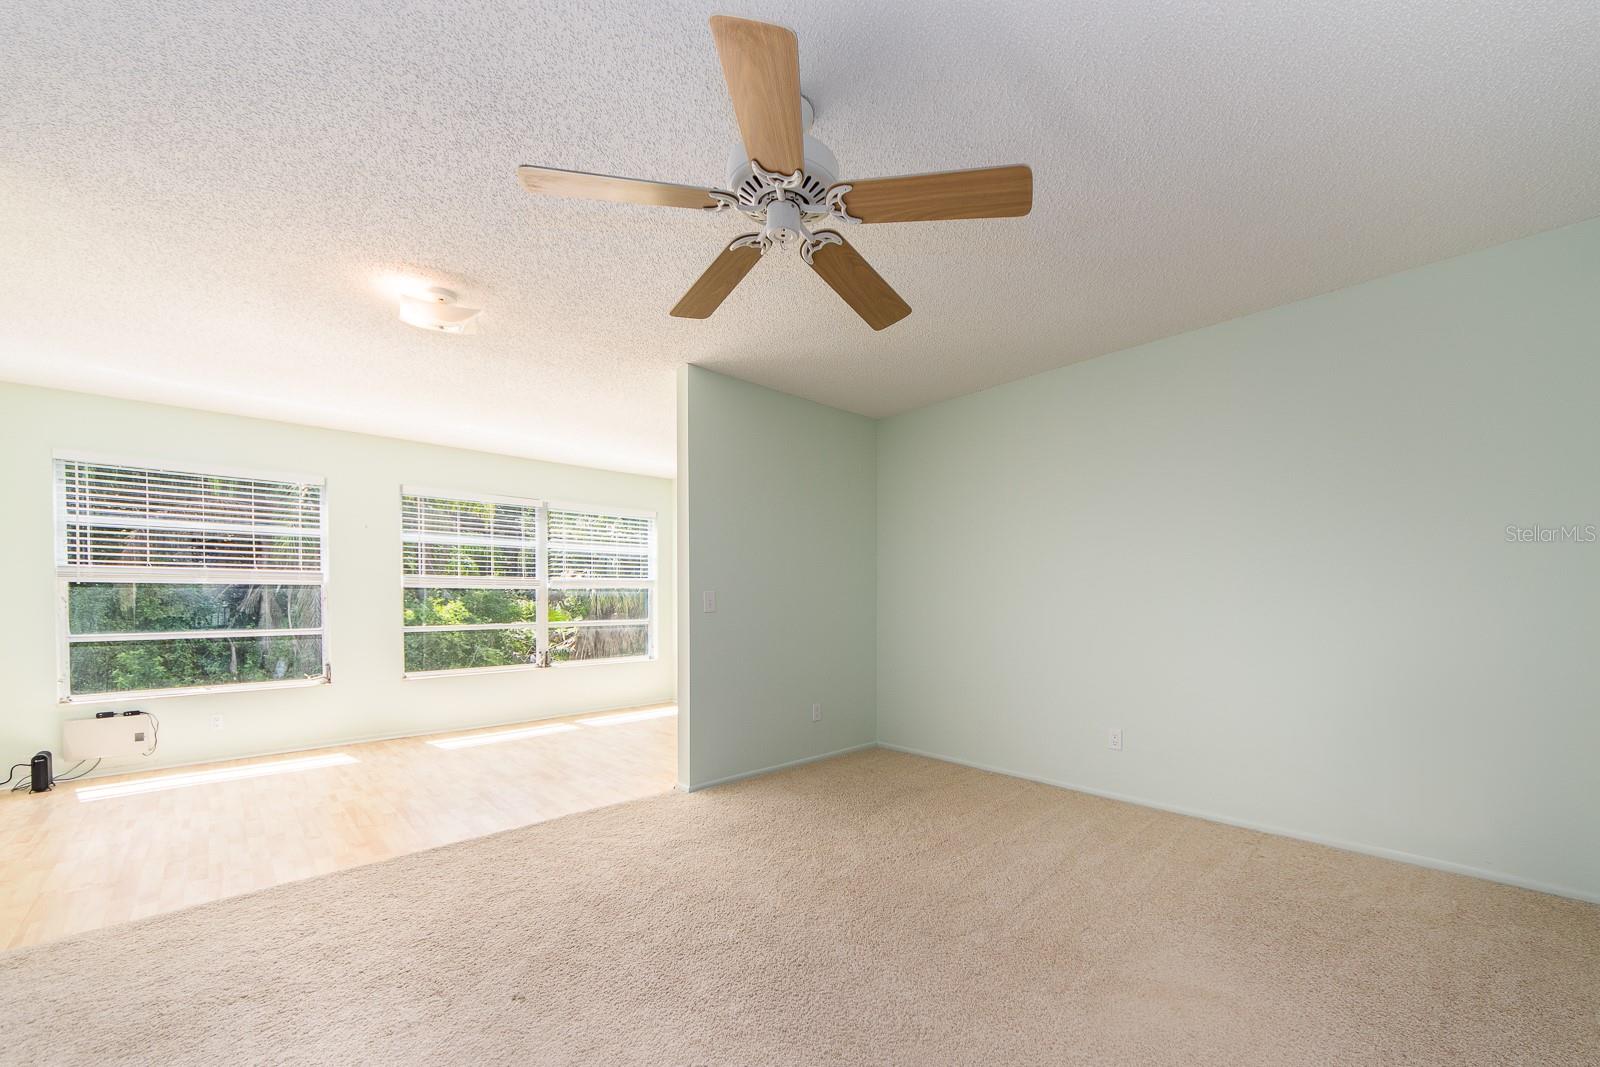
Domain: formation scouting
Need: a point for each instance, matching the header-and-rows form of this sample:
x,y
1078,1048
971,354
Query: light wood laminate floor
x,y
75,864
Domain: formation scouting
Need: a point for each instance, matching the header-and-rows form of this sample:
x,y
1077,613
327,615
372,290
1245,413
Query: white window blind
x,y
183,524
449,537
593,545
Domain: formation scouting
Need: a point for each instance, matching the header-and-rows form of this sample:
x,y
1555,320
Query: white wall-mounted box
x,y
113,738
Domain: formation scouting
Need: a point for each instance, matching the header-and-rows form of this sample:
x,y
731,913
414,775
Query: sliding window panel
x,y
161,607
469,606
460,650
599,605
180,663
576,644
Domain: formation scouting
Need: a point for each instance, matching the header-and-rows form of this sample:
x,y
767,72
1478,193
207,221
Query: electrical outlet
x,y
1116,740
216,722
816,713
708,601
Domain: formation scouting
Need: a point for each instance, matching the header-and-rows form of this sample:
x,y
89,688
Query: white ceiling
x,y
196,196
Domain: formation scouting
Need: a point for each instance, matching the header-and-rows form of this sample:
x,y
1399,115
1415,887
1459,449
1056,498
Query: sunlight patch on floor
x,y
222,774
473,740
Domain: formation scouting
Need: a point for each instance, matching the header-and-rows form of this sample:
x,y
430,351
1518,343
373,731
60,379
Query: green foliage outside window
x,y
572,643
451,650
448,650
123,666
576,605
156,607
467,607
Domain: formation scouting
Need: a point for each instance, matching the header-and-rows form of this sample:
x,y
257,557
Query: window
x,y
500,582
176,580
602,589
471,585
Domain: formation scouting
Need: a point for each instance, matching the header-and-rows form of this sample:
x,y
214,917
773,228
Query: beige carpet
x,y
877,908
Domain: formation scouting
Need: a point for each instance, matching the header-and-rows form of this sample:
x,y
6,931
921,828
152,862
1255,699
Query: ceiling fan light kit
x,y
787,181
786,205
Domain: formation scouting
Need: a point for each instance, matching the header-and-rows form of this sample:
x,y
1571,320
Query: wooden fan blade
x,y
713,287
761,63
853,278
548,181
986,193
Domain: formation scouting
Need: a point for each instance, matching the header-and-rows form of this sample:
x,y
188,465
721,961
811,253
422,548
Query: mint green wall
x,y
368,697
778,501
1274,553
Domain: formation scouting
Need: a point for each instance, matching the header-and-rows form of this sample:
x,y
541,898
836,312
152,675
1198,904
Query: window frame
x,y
542,583
67,575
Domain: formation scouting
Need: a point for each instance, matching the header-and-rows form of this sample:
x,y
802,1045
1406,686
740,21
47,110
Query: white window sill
x,y
199,690
460,672
601,662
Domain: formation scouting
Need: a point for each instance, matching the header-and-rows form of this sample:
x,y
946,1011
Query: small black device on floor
x,y
43,772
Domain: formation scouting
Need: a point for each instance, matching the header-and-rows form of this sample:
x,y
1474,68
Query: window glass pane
x,y
577,605
452,650
572,643
466,607
119,666
156,607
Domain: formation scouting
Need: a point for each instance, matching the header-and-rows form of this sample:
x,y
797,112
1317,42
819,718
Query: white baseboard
x,y
1279,831
129,767
776,767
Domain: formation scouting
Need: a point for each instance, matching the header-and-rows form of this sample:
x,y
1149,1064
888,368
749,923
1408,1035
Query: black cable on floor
x,y
75,777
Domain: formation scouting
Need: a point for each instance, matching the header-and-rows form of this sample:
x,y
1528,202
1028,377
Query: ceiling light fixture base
x,y
436,309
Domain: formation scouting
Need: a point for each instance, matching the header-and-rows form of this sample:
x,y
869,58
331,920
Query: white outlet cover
x,y
816,713
1116,741
708,601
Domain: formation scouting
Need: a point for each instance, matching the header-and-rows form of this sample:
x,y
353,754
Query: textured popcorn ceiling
x,y
197,196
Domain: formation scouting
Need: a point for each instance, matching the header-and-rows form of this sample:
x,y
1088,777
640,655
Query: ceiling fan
x,y
787,181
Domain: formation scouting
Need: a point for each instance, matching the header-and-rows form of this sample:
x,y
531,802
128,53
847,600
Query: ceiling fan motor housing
x,y
821,171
